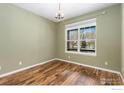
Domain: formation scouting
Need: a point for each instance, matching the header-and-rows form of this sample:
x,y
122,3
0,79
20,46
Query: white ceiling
x,y
48,10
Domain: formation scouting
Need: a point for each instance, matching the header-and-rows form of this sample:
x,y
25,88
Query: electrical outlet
x,y
0,68
106,63
20,62
69,57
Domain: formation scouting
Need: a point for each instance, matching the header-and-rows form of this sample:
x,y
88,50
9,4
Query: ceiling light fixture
x,y
59,14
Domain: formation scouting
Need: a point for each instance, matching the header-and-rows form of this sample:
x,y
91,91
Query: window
x,y
72,40
81,37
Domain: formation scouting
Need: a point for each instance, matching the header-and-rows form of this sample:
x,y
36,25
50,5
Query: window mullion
x,y
78,39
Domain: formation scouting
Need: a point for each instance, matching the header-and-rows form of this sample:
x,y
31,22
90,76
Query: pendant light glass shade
x,y
59,14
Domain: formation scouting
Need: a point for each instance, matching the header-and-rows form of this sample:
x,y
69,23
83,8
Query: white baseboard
x,y
121,77
15,71
103,69
122,74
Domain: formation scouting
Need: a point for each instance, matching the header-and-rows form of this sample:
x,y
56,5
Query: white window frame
x,y
78,25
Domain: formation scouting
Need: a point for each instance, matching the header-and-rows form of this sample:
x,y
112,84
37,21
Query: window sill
x,y
79,53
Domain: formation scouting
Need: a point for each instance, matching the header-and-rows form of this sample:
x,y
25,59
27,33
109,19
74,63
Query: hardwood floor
x,y
62,73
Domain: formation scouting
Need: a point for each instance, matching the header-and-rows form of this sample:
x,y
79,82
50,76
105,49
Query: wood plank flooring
x,y
61,73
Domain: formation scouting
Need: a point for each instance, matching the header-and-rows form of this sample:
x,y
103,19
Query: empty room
x,y
61,44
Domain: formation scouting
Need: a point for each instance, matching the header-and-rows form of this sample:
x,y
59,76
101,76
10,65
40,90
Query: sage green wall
x,y
24,36
123,39
108,39
32,39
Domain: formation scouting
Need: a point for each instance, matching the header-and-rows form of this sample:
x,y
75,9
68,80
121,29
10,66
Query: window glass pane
x,y
82,34
88,33
87,46
72,34
72,45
